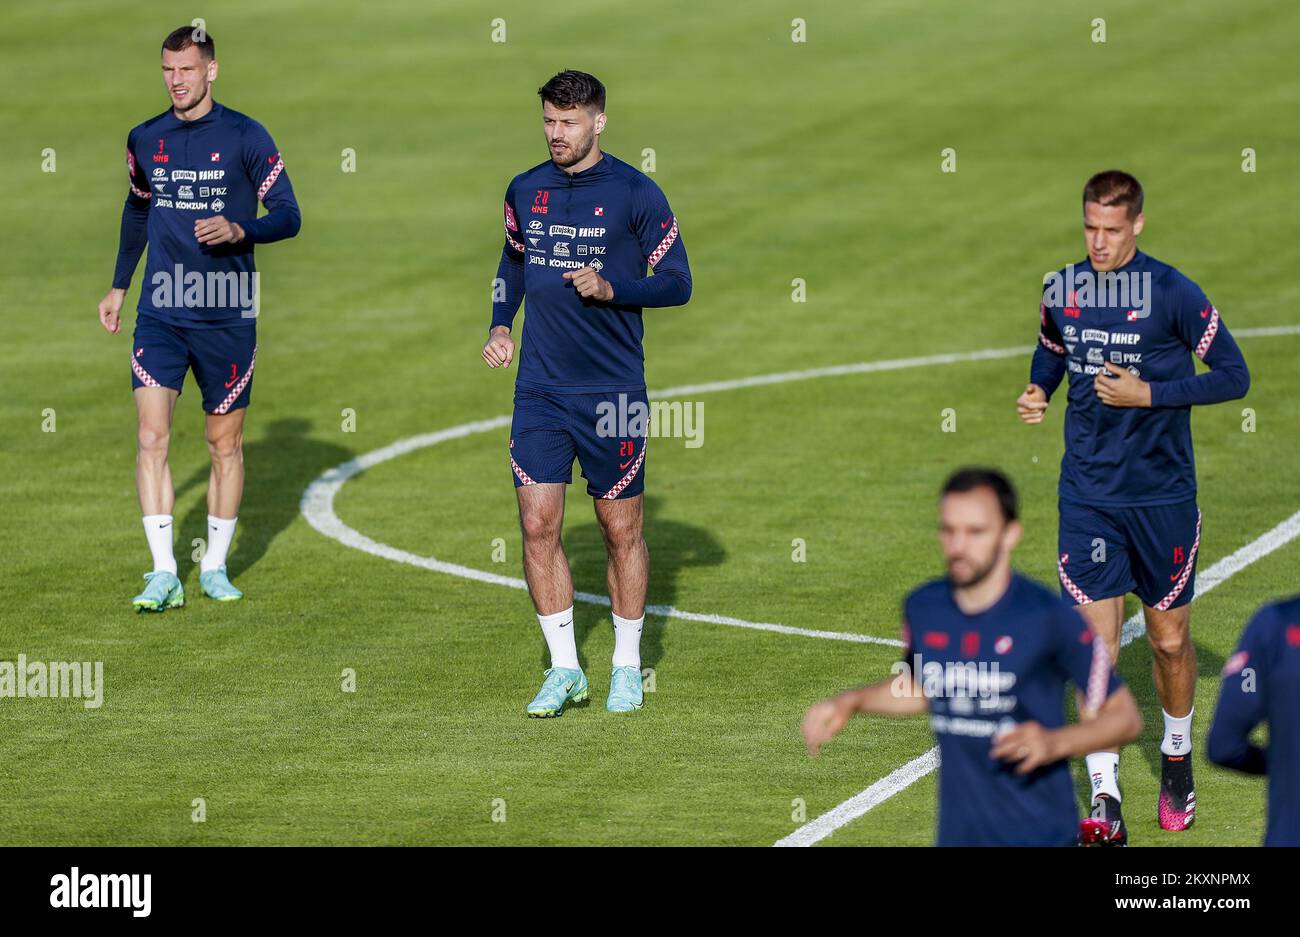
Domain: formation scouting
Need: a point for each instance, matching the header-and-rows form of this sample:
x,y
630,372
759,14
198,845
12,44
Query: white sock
x,y
1103,769
1178,734
627,641
158,531
220,533
558,631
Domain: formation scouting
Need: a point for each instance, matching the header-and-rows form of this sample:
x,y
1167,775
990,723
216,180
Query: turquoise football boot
x,y
217,585
163,591
624,690
562,685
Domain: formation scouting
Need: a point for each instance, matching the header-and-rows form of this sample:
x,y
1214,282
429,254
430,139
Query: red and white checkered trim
x,y
669,240
238,388
514,245
1080,597
271,177
130,174
145,377
520,473
1049,344
626,479
1211,330
1181,584
1098,675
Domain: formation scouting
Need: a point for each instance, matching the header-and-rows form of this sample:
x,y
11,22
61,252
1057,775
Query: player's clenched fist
x,y
1120,387
109,309
500,348
1032,404
590,284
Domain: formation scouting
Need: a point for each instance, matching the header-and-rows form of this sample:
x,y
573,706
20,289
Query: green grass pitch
x,y
817,160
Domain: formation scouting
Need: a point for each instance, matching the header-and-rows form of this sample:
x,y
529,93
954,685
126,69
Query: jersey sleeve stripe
x,y
270,178
130,171
1211,330
1050,345
669,240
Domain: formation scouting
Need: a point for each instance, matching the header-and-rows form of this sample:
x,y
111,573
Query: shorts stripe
x,y
239,388
626,479
145,377
1177,590
1080,597
520,473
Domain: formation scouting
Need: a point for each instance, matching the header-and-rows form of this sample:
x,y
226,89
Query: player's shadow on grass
x,y
674,546
278,465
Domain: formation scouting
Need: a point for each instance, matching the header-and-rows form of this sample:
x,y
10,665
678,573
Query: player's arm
x,y
132,238
264,167
1201,330
1108,716
900,695
1242,702
1029,745
1045,371
655,227
507,293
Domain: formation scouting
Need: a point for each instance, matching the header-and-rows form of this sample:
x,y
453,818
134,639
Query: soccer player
x,y
989,653
197,172
580,230
1261,682
1125,327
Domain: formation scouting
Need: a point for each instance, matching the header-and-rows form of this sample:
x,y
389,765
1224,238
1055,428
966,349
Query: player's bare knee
x,y
1171,644
540,528
153,440
622,536
226,447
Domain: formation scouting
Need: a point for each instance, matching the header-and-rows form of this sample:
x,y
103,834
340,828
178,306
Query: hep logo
x,y
539,202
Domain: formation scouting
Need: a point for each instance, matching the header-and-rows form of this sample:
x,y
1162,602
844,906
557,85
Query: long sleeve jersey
x,y
610,217
1261,683
1152,325
224,163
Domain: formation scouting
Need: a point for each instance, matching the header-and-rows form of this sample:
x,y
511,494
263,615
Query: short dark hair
x,y
1115,187
971,479
573,89
178,40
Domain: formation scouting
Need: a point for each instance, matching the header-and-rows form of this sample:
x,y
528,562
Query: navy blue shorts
x,y
1104,552
222,361
601,430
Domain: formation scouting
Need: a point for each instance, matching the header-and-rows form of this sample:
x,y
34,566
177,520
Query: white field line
x,y
902,778
317,503
318,500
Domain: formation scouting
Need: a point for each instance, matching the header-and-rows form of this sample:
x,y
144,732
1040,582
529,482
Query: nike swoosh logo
x,y
664,224
161,526
566,624
627,463
1174,577
230,383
